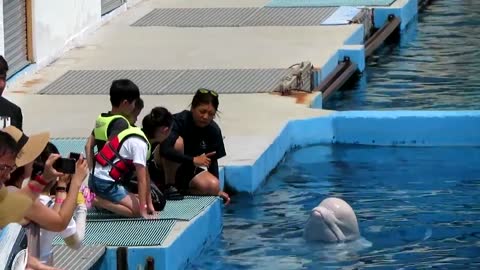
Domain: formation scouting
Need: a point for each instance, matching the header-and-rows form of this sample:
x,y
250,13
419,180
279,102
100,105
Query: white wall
x,y
58,23
2,39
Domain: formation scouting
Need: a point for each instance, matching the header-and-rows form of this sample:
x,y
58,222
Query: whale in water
x,y
332,221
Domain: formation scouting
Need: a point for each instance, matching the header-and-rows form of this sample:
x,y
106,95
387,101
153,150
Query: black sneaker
x,y
172,194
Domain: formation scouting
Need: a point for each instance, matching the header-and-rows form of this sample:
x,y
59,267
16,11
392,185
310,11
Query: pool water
x,y
435,66
418,207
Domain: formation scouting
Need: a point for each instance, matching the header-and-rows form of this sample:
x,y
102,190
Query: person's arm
x,y
142,188
48,218
218,148
61,192
218,145
150,208
35,264
89,153
138,150
70,235
168,151
34,188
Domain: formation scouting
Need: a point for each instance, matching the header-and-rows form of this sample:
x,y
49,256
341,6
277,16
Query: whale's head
x,y
333,220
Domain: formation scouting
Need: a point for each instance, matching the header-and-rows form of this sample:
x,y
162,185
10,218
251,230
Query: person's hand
x,y
64,180
203,160
144,213
151,209
225,197
49,173
81,170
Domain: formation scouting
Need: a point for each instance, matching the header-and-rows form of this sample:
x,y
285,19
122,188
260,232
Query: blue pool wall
x,y
382,128
199,234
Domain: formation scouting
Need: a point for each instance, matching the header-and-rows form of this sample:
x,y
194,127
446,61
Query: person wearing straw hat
x,y
16,149
31,148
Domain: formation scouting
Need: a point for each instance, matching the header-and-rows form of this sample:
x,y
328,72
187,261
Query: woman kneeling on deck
x,y
123,156
189,156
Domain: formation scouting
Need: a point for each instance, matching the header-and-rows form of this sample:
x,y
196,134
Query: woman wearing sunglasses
x,y
189,156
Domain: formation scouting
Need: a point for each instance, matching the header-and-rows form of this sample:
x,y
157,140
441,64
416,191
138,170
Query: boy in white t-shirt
x,y
123,156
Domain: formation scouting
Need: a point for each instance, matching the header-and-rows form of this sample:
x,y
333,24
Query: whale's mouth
x,y
328,220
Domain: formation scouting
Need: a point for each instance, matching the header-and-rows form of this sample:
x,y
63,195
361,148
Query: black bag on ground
x,y
158,199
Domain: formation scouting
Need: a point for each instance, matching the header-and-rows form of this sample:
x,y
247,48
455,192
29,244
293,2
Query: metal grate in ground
x,y
228,80
235,17
85,82
185,209
132,232
196,17
289,16
162,82
81,259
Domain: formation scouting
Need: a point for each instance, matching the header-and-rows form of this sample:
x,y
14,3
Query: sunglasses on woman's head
x,y
207,91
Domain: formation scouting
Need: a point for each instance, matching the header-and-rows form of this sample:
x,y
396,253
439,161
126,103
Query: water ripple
x,y
436,65
418,208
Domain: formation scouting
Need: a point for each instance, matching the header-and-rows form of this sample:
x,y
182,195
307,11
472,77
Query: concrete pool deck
x,y
258,128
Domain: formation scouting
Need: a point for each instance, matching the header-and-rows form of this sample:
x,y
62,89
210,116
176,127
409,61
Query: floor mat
x,y
235,17
185,209
163,82
83,258
133,232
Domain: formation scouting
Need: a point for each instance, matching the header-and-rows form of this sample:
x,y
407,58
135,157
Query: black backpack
x,y
158,199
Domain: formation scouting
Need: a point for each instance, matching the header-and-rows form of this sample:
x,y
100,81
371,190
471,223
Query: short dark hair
x,y
158,117
205,96
8,145
123,89
139,104
3,66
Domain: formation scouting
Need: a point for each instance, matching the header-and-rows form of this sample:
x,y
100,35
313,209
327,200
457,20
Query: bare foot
x,y
225,197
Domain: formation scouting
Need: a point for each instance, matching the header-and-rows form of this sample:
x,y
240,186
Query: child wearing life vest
x,y
124,95
122,157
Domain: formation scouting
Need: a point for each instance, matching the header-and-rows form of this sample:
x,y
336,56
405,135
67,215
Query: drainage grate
x,y
84,82
195,17
229,80
234,17
290,16
161,82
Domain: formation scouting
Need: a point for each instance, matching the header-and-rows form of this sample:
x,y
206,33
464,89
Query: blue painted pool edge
x,y
202,230
383,128
406,13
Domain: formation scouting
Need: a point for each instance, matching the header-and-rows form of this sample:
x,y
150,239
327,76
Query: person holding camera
x,y
39,215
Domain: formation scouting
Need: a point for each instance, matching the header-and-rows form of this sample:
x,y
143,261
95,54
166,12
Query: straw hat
x,y
13,206
30,147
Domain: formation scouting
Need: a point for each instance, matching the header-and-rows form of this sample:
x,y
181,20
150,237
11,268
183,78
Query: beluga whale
x,y
332,221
